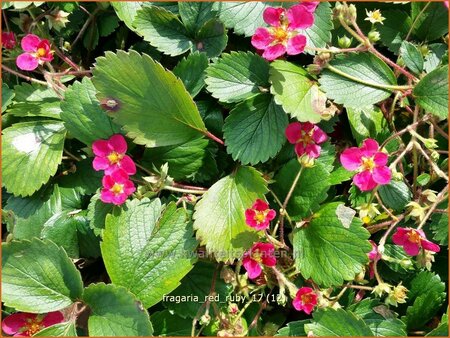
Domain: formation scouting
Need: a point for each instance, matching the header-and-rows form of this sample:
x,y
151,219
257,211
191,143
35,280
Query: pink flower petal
x,y
273,52
127,164
119,176
364,181
129,188
369,147
303,291
250,218
272,16
293,132
27,62
53,318
400,236
30,43
351,158
297,303
260,205
101,148
119,199
380,159
308,308
100,163
271,215
310,6
106,196
300,149
319,136
296,45
299,17
107,182
307,127
117,143
13,323
381,175
262,38
313,150
252,267
430,246
411,248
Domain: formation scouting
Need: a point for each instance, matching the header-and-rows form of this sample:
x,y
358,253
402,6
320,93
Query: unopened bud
x,y
424,50
345,41
397,176
430,143
374,36
324,56
306,161
205,319
351,13
314,69
434,155
382,288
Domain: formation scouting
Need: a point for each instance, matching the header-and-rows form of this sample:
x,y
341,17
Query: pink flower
x,y
116,187
305,300
374,254
37,52
283,36
259,216
110,155
446,4
310,6
370,164
8,40
306,137
413,240
260,253
23,324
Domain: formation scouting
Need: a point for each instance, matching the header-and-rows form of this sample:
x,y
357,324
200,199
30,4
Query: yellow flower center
x,y
307,298
115,157
305,138
256,256
117,188
280,35
368,163
32,326
260,216
40,52
414,237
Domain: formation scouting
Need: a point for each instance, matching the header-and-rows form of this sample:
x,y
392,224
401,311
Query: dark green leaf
x,y
191,71
195,14
7,96
394,29
395,195
431,22
412,56
167,324
367,122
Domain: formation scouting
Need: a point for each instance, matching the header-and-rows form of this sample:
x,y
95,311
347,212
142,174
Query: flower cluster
x,y
259,215
305,300
369,162
260,253
284,34
307,137
23,324
413,240
37,51
110,157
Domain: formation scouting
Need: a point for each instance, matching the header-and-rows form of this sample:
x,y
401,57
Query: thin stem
x,y
9,70
184,191
400,157
435,167
337,50
213,137
76,158
338,296
148,172
439,198
5,20
395,218
75,72
85,26
407,129
415,21
367,83
439,130
380,226
185,186
66,59
360,287
363,40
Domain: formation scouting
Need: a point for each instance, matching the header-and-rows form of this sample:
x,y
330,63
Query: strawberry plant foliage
x,y
219,168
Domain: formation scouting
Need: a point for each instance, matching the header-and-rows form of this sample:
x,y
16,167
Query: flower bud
x,y
205,319
345,41
424,50
313,69
382,288
57,19
351,13
416,211
397,295
434,155
430,195
430,143
406,263
306,161
397,176
227,274
374,36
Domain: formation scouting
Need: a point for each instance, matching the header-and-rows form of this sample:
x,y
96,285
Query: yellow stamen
x,y
414,237
368,163
117,188
115,157
260,216
307,298
280,35
256,256
41,52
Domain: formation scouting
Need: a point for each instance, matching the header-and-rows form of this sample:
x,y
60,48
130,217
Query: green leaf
x,y
310,190
439,225
166,324
295,329
146,94
66,329
197,283
431,22
85,180
432,92
97,211
368,122
191,71
394,29
195,14
423,179
211,38
7,96
127,11
219,215
369,74
340,175
38,277
426,294
295,91
254,130
31,154
163,30
441,330
381,326
115,312
237,76
147,253
328,252
395,195
433,59
319,34
184,160
329,322
82,115
412,56
107,24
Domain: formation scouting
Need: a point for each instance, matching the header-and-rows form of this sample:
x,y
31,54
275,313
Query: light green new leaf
x,y
432,92
254,130
219,215
82,115
295,91
310,190
31,154
38,277
341,323
115,312
395,195
191,71
362,84
327,251
237,76
366,122
146,252
66,329
412,56
153,106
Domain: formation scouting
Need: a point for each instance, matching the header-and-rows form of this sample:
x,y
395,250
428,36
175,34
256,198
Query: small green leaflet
x,y
66,329
191,71
412,56
368,122
38,277
219,215
146,92
395,195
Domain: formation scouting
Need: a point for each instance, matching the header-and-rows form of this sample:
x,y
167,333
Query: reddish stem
x,y
214,138
185,186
